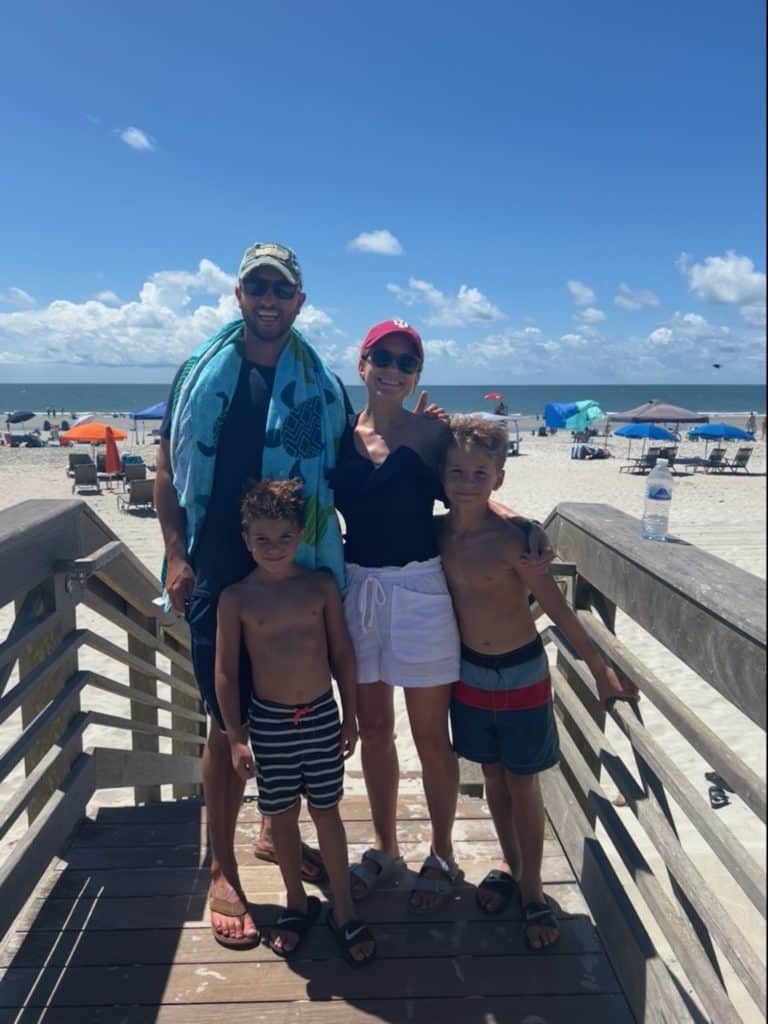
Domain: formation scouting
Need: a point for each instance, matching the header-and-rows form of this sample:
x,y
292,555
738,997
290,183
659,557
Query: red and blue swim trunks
x,y
501,710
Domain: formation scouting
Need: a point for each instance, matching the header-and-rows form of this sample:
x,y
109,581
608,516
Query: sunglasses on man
x,y
258,287
382,358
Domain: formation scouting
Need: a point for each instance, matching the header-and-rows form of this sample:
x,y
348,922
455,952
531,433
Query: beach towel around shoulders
x,y
305,422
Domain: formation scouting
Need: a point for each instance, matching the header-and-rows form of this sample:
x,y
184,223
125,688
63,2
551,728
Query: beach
x,y
724,514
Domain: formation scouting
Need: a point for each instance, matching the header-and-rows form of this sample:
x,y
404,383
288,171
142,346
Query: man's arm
x,y
341,655
179,575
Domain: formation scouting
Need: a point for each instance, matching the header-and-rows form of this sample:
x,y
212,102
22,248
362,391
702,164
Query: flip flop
x,y
308,856
501,884
385,868
231,908
541,915
296,922
351,934
442,886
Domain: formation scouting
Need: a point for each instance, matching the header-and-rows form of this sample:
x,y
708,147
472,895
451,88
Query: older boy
x,y
501,711
292,622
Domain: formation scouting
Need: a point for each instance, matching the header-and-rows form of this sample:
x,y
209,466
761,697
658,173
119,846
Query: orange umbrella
x,y
92,433
112,462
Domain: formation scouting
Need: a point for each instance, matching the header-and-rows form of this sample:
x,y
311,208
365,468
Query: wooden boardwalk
x,y
119,933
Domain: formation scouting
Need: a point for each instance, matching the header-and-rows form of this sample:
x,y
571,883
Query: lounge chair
x,y
139,494
739,461
133,471
85,475
78,459
714,461
644,464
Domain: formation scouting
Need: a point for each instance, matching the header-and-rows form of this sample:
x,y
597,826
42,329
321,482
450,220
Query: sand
x,y
723,514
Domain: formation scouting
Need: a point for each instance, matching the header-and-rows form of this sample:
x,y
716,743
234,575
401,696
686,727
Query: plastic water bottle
x,y
658,498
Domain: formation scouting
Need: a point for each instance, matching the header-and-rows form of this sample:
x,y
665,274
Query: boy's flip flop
x,y
384,868
349,935
501,884
312,867
442,887
539,915
231,908
297,923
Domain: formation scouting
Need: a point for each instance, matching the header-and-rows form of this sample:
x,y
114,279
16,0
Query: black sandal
x,y
540,915
501,884
353,933
296,922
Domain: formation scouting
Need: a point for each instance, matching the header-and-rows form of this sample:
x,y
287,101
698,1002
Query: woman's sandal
x,y
539,915
297,923
384,868
232,908
349,935
312,867
442,887
501,884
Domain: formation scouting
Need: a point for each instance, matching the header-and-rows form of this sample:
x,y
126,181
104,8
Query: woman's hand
x,y
540,553
434,412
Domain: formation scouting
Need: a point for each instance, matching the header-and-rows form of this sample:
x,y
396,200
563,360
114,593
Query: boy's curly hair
x,y
273,499
491,436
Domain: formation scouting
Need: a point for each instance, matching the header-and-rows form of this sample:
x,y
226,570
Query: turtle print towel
x,y
305,421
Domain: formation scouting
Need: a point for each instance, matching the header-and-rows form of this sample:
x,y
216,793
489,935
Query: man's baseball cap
x,y
380,331
271,254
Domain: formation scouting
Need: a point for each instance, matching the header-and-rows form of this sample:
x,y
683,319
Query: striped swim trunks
x,y
501,710
297,751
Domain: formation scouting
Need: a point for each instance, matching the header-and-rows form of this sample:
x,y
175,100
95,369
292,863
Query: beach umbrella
x,y
112,464
647,431
657,411
91,433
721,432
20,416
572,415
494,396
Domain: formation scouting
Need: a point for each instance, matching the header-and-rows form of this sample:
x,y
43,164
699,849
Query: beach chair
x,y
739,461
644,464
133,471
714,462
139,494
77,459
85,475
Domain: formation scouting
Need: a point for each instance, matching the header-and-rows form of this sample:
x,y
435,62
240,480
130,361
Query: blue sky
x,y
553,192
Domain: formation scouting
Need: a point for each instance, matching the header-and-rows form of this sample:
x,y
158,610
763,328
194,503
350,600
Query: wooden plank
x,y
190,912
325,979
28,685
706,611
33,536
185,705
195,945
538,1009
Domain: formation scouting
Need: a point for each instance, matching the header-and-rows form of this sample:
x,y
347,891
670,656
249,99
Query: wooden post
x,y
179,747
143,712
48,597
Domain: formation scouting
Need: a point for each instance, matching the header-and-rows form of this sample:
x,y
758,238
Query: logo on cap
x,y
401,323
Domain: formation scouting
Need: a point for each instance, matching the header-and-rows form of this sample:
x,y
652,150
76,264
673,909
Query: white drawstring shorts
x,y
402,624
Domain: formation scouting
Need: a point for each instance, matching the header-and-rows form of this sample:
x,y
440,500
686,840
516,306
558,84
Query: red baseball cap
x,y
380,331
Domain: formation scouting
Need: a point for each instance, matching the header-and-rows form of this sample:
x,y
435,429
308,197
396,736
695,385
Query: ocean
x,y
528,400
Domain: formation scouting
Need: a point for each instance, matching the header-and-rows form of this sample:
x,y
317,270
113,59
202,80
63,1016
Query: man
x,y
269,294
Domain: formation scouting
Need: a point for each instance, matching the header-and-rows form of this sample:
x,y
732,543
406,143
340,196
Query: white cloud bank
x,y
724,279
17,297
468,306
137,139
581,293
381,242
634,298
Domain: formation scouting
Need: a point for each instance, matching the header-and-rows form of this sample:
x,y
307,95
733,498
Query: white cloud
x,y
109,298
686,331
438,347
661,336
591,315
137,139
17,297
634,298
726,279
382,242
312,319
468,306
754,314
574,340
581,293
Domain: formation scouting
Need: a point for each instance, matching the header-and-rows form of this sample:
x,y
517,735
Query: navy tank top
x,y
387,508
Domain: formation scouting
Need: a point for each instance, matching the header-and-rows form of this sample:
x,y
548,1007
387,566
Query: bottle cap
x,y
662,462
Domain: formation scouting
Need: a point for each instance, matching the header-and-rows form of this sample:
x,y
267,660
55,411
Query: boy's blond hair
x,y
273,499
490,436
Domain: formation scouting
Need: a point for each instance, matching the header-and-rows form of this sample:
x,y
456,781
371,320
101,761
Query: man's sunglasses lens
x,y
382,358
258,287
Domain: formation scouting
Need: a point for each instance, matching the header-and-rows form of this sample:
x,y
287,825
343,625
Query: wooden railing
x,y
711,616
74,586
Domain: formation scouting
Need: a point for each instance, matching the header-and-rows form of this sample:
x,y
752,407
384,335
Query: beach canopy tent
x,y
152,412
721,432
572,415
657,411
91,433
20,416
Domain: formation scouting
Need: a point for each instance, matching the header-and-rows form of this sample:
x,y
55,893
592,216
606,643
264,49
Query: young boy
x,y
292,622
501,710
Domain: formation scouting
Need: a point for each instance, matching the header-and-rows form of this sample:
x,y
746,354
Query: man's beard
x,y
261,333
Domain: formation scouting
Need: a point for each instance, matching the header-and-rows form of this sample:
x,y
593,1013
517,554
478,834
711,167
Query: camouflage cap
x,y
271,254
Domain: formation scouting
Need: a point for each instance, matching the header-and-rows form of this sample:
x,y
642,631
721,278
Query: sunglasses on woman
x,y
258,287
382,358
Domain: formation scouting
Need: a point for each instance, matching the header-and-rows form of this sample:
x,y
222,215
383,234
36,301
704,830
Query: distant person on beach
x,y
292,621
752,423
397,606
501,709
501,409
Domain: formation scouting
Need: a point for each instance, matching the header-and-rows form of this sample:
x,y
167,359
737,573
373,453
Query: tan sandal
x,y
231,908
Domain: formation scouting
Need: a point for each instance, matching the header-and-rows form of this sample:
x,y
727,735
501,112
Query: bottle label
x,y
659,493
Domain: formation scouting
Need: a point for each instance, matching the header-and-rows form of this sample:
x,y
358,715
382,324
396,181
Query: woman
x,y
397,605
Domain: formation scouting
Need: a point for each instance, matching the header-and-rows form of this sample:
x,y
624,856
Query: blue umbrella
x,y
721,432
646,431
